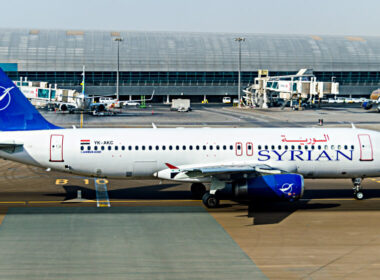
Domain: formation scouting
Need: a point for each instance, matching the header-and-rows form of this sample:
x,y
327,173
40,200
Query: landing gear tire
x,y
198,190
359,195
210,200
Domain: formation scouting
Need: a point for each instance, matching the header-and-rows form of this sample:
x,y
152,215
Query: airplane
x,y
374,99
242,163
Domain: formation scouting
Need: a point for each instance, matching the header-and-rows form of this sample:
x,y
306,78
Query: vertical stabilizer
x,y
16,112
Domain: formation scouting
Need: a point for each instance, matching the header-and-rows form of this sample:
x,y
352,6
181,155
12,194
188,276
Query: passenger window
x,y
82,148
211,147
217,147
170,147
96,148
259,147
88,148
190,147
197,147
266,147
184,147
109,148
319,147
164,148
157,148
143,148
286,147
224,147
326,147
306,147
130,148
177,147
279,147
272,147
122,148
332,147
102,148
299,147
204,147
312,147
231,147
150,148
339,147
238,147
345,147
136,148
116,148
292,147
352,147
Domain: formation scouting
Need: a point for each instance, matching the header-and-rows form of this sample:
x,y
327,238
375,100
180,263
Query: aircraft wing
x,y
232,169
217,171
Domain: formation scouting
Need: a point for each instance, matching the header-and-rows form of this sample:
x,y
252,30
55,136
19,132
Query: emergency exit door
x,y
56,148
366,152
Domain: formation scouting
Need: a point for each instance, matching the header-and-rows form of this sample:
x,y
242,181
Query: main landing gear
x,y
198,190
210,200
358,194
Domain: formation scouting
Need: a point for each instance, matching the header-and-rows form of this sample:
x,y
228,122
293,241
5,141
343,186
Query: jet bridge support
x,y
300,90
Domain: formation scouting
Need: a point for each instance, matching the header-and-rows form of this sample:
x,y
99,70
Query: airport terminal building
x,y
184,64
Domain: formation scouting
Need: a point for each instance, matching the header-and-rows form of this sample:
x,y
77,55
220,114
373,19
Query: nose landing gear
x,y
358,194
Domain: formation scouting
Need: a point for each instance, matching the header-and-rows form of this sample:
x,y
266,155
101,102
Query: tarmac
x,y
153,230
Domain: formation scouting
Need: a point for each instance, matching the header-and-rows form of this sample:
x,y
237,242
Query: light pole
x,y
118,40
239,40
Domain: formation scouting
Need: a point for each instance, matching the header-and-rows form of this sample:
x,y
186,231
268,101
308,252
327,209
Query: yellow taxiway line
x,y
155,201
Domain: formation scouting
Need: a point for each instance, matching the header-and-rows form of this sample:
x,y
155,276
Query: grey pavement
x,y
119,243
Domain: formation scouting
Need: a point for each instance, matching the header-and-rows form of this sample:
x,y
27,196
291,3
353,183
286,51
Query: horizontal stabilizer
x,y
10,147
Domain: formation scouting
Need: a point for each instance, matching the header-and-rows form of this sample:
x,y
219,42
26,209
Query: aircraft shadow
x,y
275,212
339,193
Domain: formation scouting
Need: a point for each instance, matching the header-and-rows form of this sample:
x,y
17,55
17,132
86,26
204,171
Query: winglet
x,y
171,166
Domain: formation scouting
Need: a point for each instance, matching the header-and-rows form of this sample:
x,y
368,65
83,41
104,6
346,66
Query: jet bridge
x,y
299,90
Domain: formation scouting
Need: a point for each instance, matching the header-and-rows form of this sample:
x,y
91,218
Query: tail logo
x,y
286,188
5,97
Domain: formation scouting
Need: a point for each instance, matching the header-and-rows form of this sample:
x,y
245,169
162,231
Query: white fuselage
x,y
136,153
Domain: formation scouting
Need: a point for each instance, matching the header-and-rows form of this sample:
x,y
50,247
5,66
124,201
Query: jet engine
x,y
272,187
63,107
367,105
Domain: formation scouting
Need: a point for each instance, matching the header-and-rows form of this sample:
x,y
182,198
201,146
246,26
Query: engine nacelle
x,y
63,107
279,186
367,105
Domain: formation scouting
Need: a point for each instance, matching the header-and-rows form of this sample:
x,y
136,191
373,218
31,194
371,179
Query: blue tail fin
x,y
16,112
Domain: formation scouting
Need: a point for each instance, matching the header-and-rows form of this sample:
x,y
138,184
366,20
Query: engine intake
x,y
279,186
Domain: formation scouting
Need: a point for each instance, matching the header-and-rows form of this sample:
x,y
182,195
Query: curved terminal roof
x,y
60,50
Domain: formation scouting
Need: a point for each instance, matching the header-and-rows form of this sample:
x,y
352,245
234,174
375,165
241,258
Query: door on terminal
x,y
56,148
366,152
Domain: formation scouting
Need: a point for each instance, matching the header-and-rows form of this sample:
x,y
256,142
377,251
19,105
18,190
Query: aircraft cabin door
x,y
366,152
56,148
